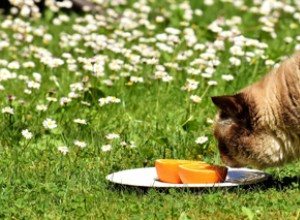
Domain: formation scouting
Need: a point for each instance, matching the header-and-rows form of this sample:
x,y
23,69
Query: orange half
x,y
167,169
198,174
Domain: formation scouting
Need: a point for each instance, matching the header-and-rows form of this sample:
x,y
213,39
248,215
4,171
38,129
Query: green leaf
x,y
183,216
93,94
248,212
160,140
49,15
56,131
192,125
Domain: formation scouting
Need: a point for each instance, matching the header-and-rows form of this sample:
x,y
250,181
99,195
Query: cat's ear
x,y
229,105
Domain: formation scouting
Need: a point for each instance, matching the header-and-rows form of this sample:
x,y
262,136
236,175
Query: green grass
x,y
39,182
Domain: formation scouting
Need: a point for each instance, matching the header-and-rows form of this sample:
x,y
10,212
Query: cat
x,y
260,125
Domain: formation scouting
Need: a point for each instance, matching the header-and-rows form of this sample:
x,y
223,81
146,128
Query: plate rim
x,y
159,184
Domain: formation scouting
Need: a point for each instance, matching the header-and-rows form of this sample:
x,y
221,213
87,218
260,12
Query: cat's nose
x,y
230,162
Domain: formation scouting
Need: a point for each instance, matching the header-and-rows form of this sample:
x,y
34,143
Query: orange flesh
x,y
195,174
167,169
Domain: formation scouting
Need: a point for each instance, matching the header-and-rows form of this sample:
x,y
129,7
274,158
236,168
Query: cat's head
x,y
242,141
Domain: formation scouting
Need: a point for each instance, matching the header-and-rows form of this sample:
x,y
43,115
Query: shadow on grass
x,y
271,183
279,184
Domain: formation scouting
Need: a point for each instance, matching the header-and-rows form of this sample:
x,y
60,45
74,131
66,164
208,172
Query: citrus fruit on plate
x,y
199,174
167,169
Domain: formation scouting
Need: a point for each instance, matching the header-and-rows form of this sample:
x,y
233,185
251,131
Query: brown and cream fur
x,y
260,126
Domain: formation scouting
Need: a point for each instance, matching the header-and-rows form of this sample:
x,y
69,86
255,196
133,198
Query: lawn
x,y
87,94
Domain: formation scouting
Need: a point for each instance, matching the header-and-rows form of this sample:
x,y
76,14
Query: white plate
x,y
147,177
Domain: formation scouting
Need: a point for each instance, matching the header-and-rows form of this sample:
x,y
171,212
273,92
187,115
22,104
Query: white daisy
x,y
81,144
201,140
41,107
80,121
27,134
63,149
112,136
227,77
106,147
49,123
196,98
8,110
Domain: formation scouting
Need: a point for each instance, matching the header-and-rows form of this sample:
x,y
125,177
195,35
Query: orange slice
x,y
167,169
196,174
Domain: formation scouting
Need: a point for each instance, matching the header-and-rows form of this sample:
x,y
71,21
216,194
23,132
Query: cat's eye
x,y
224,115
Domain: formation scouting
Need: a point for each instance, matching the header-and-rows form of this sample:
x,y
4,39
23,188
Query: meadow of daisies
x,y
91,93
